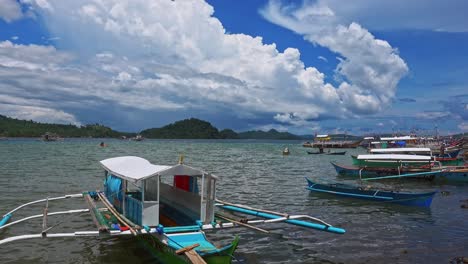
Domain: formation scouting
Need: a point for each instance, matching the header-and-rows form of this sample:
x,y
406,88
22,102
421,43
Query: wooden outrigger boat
x,y
332,144
336,153
391,160
139,200
449,174
449,159
414,199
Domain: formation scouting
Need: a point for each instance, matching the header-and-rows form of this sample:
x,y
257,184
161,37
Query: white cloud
x,y
437,15
463,126
174,55
10,10
322,58
370,66
433,114
15,38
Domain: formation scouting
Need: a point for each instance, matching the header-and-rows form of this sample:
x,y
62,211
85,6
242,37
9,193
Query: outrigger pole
x,y
8,215
280,217
404,175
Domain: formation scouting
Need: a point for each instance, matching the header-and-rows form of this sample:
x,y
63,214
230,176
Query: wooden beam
x,y
242,224
95,215
193,256
187,248
44,219
115,213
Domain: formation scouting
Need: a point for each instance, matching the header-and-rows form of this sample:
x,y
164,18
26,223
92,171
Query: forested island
x,y
198,129
192,128
11,127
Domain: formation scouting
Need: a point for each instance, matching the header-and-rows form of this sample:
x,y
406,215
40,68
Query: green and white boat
x,y
169,207
391,160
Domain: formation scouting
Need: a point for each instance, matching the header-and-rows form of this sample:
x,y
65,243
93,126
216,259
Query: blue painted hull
x,y
451,175
412,199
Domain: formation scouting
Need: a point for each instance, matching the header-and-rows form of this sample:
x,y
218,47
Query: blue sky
x,y
322,66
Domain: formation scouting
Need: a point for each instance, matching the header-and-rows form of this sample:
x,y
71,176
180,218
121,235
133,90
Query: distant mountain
x,y
271,134
11,127
185,129
198,129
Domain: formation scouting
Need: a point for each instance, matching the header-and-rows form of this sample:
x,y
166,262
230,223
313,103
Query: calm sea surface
x,y
251,172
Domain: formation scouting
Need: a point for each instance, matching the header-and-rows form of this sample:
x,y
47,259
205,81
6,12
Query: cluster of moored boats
x,y
439,163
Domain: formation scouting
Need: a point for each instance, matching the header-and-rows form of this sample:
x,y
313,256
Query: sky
x,y
314,66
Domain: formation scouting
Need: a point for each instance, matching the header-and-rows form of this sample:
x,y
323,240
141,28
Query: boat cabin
x,y
150,195
322,138
409,151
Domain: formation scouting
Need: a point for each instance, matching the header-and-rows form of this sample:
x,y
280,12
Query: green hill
x,y
185,129
271,134
11,127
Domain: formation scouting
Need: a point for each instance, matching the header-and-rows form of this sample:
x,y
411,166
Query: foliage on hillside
x,y
185,129
271,134
10,127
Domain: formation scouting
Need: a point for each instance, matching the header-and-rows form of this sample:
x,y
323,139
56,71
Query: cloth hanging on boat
x,y
186,183
113,186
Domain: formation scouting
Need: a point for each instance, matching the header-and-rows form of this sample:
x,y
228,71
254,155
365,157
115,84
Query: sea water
x,y
251,172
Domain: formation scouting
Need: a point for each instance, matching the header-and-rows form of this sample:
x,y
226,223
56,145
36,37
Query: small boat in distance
x,y
325,141
286,151
359,192
336,153
48,136
137,138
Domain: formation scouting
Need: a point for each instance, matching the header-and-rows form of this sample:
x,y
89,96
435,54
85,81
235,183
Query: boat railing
x,y
133,209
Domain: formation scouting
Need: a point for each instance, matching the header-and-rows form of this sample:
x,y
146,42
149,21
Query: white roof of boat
x,y
134,169
393,157
367,138
395,150
398,138
321,136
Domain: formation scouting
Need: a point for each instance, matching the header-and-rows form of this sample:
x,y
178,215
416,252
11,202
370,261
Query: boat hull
x,y
448,175
411,199
357,171
332,144
166,254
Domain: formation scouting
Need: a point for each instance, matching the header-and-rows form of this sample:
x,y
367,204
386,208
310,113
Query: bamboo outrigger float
x,y
138,200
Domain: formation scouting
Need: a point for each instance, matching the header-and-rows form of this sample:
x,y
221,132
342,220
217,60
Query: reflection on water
x,y
252,172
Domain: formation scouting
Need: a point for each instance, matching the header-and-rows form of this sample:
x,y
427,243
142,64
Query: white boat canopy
x,y
321,136
398,138
393,157
135,169
399,150
368,138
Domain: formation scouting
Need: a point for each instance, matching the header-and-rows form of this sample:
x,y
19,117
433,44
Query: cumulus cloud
x,y
175,55
433,115
463,126
10,10
370,67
